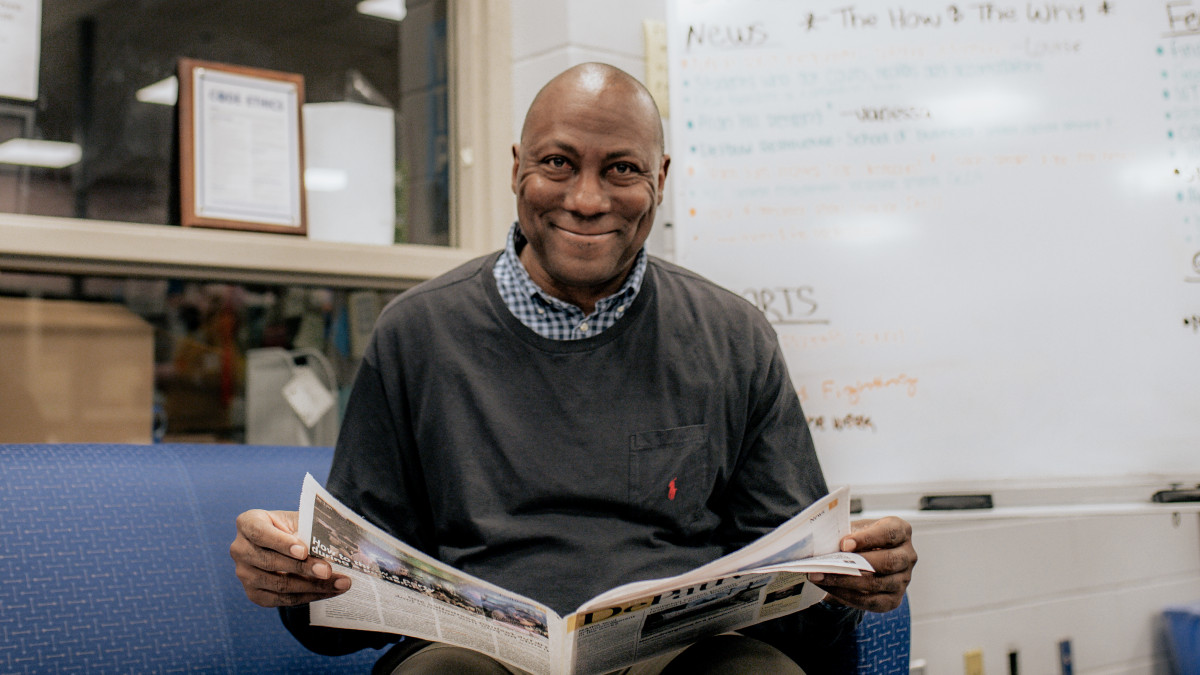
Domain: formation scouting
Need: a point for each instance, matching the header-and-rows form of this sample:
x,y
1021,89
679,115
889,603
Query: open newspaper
x,y
398,589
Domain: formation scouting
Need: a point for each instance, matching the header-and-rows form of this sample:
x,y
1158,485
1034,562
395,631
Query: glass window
x,y
104,63
78,369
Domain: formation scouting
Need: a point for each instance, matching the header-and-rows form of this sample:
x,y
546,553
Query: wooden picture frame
x,y
241,148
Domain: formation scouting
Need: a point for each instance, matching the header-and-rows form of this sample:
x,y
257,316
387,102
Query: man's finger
x,y
246,553
867,583
876,593
273,530
289,600
286,590
891,560
888,532
265,599
872,602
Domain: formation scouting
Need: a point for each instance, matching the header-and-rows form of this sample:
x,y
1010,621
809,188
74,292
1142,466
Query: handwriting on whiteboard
x,y
835,337
854,392
786,304
988,13
808,340
849,422
889,113
726,36
1181,20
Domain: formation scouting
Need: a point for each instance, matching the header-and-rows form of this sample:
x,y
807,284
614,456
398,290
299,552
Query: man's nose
x,y
588,195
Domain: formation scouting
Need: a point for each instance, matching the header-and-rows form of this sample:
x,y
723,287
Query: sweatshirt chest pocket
x,y
670,475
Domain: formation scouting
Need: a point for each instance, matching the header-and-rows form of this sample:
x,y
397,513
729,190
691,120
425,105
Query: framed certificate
x,y
241,154
20,48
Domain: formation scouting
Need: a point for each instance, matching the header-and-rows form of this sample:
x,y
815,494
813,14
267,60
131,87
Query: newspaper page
x,y
398,589
765,580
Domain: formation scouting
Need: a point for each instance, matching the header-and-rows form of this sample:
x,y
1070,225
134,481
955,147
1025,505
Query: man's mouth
x,y
583,236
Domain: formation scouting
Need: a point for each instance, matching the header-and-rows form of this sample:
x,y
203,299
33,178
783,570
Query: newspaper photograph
x,y
398,589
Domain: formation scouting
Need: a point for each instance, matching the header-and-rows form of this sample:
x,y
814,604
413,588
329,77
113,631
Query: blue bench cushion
x,y
883,642
116,559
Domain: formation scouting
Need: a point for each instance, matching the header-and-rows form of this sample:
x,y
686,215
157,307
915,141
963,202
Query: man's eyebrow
x,y
558,146
624,154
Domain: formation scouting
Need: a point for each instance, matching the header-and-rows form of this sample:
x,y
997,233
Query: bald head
x,y
593,81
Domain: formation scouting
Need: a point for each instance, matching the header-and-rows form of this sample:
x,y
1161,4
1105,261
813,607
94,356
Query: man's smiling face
x,y
588,175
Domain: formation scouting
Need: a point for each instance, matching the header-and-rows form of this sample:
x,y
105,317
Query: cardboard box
x,y
74,372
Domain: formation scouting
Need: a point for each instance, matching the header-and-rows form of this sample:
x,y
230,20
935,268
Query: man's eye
x,y
624,168
557,162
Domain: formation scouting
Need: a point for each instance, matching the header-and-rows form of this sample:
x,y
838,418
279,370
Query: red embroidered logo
x,y
671,490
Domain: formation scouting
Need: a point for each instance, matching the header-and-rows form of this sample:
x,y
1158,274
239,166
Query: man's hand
x,y
887,545
273,564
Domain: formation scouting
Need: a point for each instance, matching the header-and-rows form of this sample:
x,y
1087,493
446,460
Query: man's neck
x,y
583,297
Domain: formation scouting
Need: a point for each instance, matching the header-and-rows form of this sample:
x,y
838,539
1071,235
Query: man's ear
x,y
516,150
662,176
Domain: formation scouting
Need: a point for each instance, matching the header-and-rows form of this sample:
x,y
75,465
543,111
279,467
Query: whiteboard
x,y
975,227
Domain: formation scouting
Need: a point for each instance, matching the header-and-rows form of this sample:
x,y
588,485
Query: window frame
x,y
481,208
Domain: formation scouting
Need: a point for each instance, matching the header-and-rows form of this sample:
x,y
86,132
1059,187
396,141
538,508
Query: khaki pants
x,y
729,654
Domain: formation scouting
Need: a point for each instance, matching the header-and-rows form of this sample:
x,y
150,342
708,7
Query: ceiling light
x,y
163,92
384,9
49,154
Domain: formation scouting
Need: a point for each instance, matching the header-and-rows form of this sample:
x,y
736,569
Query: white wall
x,y
1097,576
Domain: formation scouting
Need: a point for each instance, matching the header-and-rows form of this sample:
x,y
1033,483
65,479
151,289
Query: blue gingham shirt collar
x,y
548,316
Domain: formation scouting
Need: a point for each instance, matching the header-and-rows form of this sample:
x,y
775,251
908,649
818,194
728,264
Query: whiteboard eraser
x,y
1177,495
955,502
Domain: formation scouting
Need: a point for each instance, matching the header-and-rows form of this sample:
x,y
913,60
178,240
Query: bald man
x,y
570,414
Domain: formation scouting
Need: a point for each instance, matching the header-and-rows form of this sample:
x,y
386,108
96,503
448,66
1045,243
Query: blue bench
x,y
115,559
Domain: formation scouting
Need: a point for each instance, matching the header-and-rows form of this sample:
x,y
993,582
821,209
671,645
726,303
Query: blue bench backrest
x,y
115,559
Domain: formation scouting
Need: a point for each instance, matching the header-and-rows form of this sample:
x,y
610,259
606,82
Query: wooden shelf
x,y
74,246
